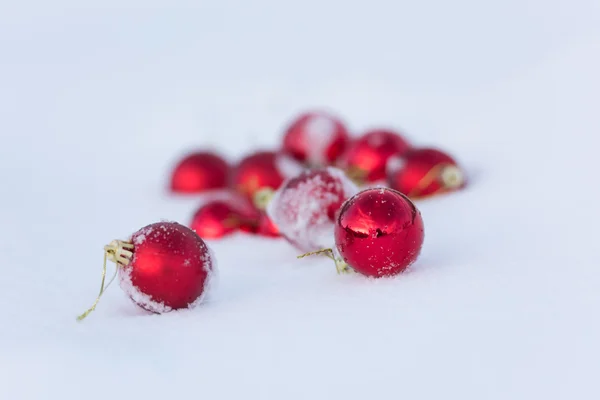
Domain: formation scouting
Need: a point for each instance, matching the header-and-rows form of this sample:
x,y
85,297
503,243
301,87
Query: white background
x,y
98,101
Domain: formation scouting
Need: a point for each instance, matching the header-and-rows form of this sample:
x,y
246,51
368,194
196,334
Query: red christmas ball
x,y
262,170
170,267
216,219
316,138
199,172
425,172
305,207
379,232
367,157
261,226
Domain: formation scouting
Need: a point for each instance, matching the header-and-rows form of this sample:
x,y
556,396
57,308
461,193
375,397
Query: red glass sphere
x,y
367,157
425,172
199,172
306,206
258,171
215,219
379,232
170,268
316,138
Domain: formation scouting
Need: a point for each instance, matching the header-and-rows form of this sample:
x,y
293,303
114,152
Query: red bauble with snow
x,y
379,232
316,138
425,172
170,268
200,172
366,158
305,207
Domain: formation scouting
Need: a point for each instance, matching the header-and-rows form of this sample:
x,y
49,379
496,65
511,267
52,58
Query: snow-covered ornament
x,y
379,232
164,266
305,207
316,138
200,172
425,172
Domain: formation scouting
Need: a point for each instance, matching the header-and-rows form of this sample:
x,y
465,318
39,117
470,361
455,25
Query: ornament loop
x,y
118,252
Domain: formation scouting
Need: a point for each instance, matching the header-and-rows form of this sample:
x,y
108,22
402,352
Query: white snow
x,y
97,101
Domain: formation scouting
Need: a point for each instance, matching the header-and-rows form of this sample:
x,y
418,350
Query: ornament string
x,y
118,252
102,289
340,266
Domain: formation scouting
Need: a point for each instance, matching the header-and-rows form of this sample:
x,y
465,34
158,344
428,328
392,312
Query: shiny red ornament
x,y
305,207
425,172
379,232
170,268
199,172
316,138
164,266
366,158
262,170
215,220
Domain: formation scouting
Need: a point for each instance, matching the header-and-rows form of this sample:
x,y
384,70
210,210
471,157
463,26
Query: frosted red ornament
x,y
305,207
425,172
199,172
316,138
164,266
366,158
262,170
379,232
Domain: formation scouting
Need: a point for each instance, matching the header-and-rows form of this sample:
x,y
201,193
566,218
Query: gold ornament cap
x,y
452,177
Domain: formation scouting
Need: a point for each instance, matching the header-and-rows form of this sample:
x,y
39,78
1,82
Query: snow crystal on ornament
x,y
320,132
306,206
212,277
143,300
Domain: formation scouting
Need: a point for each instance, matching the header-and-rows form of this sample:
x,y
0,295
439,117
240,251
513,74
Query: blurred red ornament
x,y
261,170
316,138
164,266
366,158
199,172
306,206
379,232
266,227
425,172
216,219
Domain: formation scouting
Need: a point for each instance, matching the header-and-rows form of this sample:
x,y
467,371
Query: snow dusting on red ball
x,y
366,158
262,170
171,268
379,232
316,138
305,207
199,172
425,172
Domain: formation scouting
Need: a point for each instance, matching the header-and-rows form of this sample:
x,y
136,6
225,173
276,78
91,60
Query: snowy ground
x,y
96,103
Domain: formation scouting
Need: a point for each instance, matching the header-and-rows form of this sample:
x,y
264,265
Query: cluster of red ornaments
x,y
323,190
